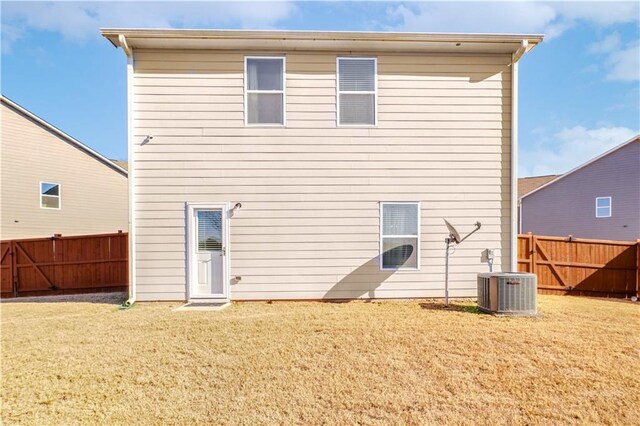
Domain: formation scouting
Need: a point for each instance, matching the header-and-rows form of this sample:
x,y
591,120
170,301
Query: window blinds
x,y
209,230
400,219
357,75
357,91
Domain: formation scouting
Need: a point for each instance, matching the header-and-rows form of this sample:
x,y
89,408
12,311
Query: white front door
x,y
207,247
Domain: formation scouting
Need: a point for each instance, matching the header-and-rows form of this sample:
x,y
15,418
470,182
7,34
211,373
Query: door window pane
x,y
209,230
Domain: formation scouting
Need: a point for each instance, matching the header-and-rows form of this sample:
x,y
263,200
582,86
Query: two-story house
x,y
318,165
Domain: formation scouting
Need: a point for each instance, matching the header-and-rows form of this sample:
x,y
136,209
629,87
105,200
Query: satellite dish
x,y
455,236
453,232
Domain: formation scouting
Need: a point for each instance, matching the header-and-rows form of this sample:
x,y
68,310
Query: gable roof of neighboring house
x,y
528,184
636,138
69,139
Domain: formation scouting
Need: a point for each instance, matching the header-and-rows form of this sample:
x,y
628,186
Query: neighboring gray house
x,y
599,199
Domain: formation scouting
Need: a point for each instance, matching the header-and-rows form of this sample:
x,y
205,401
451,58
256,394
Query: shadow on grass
x,y
453,307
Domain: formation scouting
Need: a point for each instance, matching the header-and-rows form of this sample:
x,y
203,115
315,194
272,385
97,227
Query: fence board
x,y
581,266
64,265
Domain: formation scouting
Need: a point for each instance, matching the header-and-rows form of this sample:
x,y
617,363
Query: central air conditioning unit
x,y
508,293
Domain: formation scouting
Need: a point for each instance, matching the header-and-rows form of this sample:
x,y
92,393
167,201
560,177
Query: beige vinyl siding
x,y
310,191
93,195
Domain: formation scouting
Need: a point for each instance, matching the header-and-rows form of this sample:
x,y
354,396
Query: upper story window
x,y
357,91
603,207
49,195
264,85
400,235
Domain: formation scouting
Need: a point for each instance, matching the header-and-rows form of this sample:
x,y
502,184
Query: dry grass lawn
x,y
320,363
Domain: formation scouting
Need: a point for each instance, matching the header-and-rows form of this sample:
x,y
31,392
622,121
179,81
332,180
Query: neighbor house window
x,y
357,86
264,90
49,195
399,235
603,207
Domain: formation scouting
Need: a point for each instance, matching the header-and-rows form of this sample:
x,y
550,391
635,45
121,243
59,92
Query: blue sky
x,y
579,90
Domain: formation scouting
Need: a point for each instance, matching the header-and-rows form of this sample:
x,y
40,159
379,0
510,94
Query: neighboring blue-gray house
x,y
599,199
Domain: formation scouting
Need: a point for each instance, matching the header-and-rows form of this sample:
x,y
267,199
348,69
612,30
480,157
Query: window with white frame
x,y
357,88
264,90
49,195
400,235
603,207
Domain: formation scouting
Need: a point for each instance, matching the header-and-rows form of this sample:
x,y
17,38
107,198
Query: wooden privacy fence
x,y
580,266
64,265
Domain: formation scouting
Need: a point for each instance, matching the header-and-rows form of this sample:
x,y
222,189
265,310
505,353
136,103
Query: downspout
x,y
132,174
514,153
520,216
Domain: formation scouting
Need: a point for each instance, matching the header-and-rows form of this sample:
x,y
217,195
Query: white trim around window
x,y
604,207
415,236
375,91
51,197
283,92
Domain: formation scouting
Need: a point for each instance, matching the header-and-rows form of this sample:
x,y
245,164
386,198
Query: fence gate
x,y
64,265
581,266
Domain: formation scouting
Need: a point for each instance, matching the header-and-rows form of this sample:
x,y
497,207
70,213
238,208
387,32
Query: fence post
x,y
638,269
534,258
14,268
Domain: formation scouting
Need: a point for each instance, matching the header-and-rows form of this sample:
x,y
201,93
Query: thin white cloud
x,y
551,18
601,13
79,21
472,17
621,62
10,34
624,64
569,148
606,45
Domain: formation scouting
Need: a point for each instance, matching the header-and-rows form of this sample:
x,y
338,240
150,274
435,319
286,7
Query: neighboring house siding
x,y
309,223
93,195
567,207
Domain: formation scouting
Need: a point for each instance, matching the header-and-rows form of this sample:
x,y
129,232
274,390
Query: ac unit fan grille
x,y
508,293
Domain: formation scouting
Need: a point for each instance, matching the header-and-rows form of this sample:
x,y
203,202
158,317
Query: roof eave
x,y
291,37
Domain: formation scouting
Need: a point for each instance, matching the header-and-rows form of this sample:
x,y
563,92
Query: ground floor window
x,y
399,235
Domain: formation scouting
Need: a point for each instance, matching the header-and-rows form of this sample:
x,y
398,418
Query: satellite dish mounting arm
x,y
477,225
